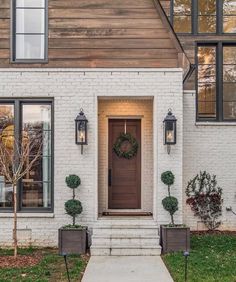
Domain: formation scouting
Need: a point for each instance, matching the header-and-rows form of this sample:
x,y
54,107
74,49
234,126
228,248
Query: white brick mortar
x,y
71,90
210,147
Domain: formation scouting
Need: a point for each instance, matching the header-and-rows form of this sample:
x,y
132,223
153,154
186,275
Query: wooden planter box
x,y
174,239
72,241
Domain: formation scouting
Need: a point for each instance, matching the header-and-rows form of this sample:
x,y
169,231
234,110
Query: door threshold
x,y
127,214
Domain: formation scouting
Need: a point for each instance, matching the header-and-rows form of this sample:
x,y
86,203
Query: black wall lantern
x,y
81,130
169,130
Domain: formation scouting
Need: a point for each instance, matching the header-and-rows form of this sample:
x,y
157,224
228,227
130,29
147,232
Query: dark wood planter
x,y
72,241
174,239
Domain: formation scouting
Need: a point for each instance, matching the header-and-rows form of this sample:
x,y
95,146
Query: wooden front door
x,y
124,176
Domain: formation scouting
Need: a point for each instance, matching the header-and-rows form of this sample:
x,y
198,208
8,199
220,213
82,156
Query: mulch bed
x,y
20,261
214,232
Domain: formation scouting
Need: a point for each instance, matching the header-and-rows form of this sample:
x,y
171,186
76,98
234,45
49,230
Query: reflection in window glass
x,y
36,185
30,31
229,82
30,21
207,16
6,136
30,46
229,16
30,3
207,82
182,21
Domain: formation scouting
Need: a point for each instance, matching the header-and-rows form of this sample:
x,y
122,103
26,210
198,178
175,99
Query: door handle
x,y
109,177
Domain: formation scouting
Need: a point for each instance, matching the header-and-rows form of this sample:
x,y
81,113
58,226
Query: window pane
x,y
230,110
229,73
229,92
182,24
207,92
182,7
229,55
36,183
206,55
36,195
207,7
229,7
41,171
206,109
30,3
206,24
7,137
229,24
30,46
37,116
206,73
30,20
182,16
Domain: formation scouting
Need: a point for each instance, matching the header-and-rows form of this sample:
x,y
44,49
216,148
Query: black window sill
x,y
215,123
38,214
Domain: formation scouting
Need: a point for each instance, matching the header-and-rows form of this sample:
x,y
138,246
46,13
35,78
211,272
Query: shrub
x,y
169,203
73,207
205,199
73,181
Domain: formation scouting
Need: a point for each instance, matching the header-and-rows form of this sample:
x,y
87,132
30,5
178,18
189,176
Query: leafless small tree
x,y
15,163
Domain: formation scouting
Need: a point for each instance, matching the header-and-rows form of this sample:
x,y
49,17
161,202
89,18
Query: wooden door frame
x,y
119,117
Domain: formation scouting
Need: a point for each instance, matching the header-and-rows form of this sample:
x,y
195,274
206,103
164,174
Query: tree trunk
x,y
15,220
172,219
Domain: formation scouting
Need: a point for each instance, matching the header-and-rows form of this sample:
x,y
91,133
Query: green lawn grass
x,y
51,268
212,259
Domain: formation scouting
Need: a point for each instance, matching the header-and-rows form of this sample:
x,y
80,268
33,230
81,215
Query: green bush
x,y
205,199
73,181
168,178
73,207
169,203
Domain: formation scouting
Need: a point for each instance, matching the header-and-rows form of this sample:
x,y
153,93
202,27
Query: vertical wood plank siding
x,y
99,33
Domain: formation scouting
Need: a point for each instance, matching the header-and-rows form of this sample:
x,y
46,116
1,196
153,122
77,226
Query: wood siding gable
x,y
102,33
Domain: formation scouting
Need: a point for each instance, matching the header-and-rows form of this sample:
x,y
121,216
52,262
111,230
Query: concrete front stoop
x,y
117,236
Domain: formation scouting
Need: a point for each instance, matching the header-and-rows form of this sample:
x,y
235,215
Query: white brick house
x,y
112,92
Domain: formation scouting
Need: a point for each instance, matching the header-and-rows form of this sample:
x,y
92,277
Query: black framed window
x,y
28,119
203,16
29,26
216,81
182,16
206,16
229,16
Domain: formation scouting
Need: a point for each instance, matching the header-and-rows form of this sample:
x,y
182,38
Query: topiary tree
x,y
73,207
169,203
205,199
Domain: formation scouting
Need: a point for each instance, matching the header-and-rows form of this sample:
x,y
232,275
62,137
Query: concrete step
x,y
126,251
125,232
125,237
116,241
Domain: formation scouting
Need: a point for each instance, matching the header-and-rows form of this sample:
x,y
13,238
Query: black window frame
x,y
219,79
194,20
17,102
13,37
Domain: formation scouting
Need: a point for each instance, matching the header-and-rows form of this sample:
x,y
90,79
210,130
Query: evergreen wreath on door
x,y
117,147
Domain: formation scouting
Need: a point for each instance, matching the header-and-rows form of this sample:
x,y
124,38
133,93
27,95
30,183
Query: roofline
x,y
183,60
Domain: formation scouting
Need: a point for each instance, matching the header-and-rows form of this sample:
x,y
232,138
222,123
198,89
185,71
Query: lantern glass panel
x,y
81,132
170,132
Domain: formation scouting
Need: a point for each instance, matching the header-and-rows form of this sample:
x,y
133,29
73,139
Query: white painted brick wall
x,y
71,90
211,148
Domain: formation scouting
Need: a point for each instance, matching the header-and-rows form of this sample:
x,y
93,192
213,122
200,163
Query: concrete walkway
x,y
126,269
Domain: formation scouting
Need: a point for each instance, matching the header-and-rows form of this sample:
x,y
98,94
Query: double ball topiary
x,y
169,203
73,207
